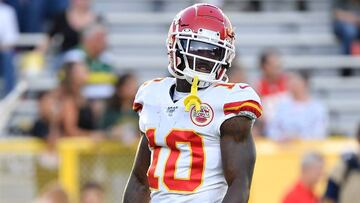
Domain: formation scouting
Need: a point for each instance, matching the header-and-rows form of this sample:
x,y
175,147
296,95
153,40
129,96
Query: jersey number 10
x,y
196,169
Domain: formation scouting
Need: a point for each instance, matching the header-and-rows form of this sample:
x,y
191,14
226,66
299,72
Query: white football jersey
x,y
185,146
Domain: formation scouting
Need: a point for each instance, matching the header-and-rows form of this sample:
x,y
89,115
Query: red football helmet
x,y
201,43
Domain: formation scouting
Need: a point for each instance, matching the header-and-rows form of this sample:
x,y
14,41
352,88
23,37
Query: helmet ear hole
x,y
177,53
180,62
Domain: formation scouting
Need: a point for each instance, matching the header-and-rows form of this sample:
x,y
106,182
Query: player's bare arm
x,y
238,158
137,189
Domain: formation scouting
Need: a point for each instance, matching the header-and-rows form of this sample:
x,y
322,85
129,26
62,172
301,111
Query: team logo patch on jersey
x,y
202,117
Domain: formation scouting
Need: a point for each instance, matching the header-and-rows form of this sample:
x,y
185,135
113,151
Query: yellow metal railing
x,y
82,159
21,145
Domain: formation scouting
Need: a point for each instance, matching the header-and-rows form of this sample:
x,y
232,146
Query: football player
x,y
196,143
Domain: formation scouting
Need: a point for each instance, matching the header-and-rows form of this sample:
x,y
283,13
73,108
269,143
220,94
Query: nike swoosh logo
x,y
243,87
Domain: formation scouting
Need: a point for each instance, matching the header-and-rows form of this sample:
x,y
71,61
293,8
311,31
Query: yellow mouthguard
x,y
193,98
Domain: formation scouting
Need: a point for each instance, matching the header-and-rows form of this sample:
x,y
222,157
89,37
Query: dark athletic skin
x,y
237,153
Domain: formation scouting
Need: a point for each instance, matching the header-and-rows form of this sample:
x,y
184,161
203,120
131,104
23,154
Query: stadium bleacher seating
x,y
305,38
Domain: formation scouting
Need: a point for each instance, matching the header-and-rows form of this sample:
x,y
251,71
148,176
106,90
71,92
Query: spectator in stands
x,y
47,127
99,86
298,115
76,118
33,14
273,80
93,45
312,170
8,37
271,86
347,22
344,181
92,49
69,24
53,193
92,192
119,119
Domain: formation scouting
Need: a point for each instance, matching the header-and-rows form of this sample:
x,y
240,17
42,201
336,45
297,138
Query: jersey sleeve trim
x,y
137,107
243,106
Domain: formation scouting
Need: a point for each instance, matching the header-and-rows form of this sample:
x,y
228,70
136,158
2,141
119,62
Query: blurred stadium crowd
x,y
72,67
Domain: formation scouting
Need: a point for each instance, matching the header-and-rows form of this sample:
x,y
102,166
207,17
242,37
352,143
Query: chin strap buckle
x,y
193,98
